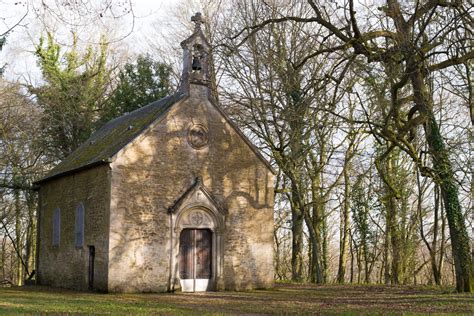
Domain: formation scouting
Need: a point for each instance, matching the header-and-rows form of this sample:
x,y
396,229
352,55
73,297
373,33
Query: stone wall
x,y
66,265
156,169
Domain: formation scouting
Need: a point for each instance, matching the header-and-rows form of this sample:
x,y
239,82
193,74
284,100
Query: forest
x,y
364,108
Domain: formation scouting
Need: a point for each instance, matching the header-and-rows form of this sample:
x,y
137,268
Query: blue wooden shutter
x,y
56,226
80,225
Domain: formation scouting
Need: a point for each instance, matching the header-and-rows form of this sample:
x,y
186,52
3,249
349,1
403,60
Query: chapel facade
x,y
172,196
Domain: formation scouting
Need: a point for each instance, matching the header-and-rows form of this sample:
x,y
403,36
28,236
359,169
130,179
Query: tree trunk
x,y
296,245
3,257
449,191
456,223
434,243
317,255
19,242
392,222
352,259
325,250
366,261
359,263
277,263
386,253
443,242
344,228
321,203
317,275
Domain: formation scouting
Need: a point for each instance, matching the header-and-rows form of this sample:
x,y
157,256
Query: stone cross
x,y
197,19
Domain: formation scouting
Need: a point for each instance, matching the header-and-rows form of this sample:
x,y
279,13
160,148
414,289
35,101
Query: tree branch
x,y
452,61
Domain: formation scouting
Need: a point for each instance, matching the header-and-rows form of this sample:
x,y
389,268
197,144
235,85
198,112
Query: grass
x,y
283,299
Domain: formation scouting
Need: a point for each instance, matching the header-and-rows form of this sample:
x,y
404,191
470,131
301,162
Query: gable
x,y
118,133
173,129
198,194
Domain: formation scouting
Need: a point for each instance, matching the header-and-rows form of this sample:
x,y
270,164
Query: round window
x,y
198,136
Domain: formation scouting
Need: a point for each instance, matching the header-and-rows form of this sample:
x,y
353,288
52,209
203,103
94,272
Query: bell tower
x,y
196,56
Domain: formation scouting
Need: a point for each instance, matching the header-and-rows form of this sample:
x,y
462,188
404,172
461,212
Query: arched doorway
x,y
197,224
195,259
198,255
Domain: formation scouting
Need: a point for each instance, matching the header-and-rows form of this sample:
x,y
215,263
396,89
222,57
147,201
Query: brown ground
x,y
283,299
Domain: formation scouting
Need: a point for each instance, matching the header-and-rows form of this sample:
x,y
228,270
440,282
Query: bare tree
x,y
20,163
420,37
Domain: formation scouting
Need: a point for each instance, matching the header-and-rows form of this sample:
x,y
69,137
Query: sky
x,y
151,23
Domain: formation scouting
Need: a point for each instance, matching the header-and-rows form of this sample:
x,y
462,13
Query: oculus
x,y
198,136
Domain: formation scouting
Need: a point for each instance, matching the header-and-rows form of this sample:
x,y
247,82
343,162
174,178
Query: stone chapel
x,y
172,196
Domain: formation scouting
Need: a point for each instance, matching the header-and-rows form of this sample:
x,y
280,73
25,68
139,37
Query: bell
x,y
196,64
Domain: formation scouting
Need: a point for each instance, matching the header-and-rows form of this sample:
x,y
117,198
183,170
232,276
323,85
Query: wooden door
x,y
186,254
195,258
203,241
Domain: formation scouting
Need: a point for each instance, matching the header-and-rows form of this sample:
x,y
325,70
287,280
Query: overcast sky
x,y
153,19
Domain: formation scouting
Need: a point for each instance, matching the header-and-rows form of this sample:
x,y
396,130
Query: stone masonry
x,y
65,265
179,163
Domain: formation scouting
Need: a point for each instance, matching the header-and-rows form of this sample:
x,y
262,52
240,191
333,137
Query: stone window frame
x,y
56,237
79,225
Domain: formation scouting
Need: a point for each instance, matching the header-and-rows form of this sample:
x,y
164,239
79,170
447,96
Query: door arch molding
x,y
197,209
198,216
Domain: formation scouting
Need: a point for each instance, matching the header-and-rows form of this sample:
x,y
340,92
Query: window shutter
x,y
56,226
80,225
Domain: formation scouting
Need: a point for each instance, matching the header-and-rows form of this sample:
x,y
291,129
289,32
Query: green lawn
x,y
283,299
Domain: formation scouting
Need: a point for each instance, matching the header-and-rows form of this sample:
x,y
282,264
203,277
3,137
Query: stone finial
x,y
198,20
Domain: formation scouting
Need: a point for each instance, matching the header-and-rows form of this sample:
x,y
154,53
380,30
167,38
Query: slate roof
x,y
112,137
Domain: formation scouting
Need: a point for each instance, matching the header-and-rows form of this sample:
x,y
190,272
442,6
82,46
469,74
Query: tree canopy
x,y
139,83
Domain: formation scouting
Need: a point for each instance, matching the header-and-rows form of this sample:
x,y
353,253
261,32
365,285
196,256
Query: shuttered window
x,y
56,226
80,225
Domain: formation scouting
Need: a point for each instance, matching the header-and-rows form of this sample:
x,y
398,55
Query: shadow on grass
x,y
283,299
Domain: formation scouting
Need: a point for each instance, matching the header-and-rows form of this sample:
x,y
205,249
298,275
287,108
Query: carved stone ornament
x,y
198,136
197,218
